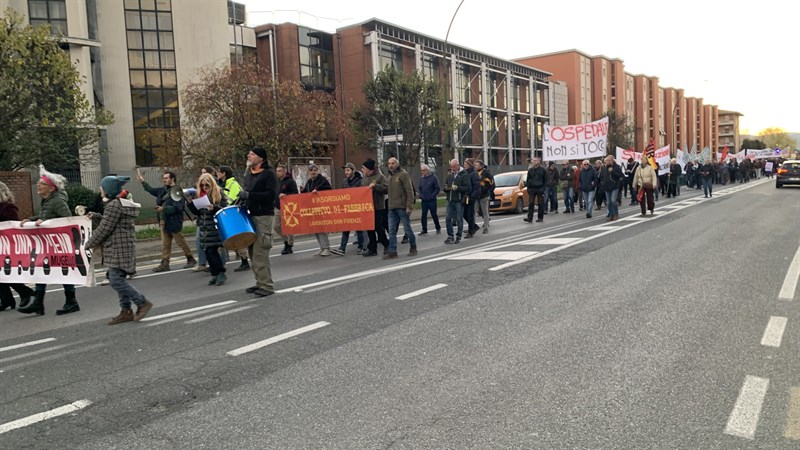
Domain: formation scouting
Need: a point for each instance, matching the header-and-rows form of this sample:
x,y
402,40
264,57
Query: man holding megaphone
x,y
170,205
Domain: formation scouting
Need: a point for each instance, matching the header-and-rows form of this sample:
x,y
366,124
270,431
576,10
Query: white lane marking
x,y
33,353
790,282
223,313
30,420
53,356
774,332
603,228
421,291
278,338
497,256
26,344
500,243
744,418
549,241
186,311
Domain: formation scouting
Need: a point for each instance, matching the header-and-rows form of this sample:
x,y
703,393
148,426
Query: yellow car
x,y
509,192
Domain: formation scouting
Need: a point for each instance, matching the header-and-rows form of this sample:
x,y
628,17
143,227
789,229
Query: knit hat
x,y
350,166
112,185
369,164
260,151
54,180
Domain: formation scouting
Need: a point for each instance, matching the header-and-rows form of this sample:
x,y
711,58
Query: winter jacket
x,y
674,174
536,180
262,191
587,179
208,234
566,175
611,177
173,211
707,170
645,175
231,189
355,181
320,183
401,190
486,183
378,191
429,187
8,211
54,206
552,176
288,187
475,183
463,185
116,234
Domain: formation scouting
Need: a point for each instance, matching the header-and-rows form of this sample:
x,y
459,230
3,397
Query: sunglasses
x,y
205,185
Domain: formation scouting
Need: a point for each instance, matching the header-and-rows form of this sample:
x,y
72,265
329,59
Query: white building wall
x,y
202,37
116,84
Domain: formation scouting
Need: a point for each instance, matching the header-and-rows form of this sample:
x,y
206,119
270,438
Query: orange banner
x,y
328,211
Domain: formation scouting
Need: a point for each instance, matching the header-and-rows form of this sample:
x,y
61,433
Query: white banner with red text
x,y
51,253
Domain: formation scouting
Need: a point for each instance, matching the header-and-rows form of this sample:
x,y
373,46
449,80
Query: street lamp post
x,y
446,90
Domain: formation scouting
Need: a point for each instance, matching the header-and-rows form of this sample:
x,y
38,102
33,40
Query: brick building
x,y
500,106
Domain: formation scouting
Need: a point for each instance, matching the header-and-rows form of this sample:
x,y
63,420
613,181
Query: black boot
x,y
70,305
287,249
36,306
25,296
245,265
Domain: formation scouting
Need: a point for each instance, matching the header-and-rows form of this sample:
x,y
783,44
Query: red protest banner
x,y
328,211
52,253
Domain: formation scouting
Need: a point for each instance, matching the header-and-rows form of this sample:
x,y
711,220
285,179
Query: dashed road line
x,y
790,282
421,291
743,421
30,420
220,314
792,430
774,332
26,344
278,338
186,311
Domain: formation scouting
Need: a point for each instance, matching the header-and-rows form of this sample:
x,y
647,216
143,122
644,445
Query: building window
x,y
391,56
242,55
316,59
430,66
52,13
236,13
154,82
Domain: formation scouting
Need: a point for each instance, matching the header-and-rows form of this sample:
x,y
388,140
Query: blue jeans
x,y
126,292
429,205
551,198
346,239
588,200
396,216
455,210
707,186
613,208
569,200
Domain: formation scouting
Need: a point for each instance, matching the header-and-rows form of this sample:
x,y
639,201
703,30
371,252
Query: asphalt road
x,y
679,330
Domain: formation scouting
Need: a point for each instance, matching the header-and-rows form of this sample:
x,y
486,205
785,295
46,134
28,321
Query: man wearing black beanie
x,y
260,192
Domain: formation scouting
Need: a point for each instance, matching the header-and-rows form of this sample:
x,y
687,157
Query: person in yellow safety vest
x,y
231,188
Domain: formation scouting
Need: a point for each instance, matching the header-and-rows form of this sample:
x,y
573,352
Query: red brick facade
x,y
20,185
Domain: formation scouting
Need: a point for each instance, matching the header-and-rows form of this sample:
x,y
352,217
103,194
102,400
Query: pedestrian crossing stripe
x,y
550,241
497,256
603,228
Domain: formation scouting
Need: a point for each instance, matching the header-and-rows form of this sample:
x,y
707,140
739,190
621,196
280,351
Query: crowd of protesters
x,y
467,189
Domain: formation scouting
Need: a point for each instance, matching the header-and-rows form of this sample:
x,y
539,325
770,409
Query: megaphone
x,y
80,210
177,194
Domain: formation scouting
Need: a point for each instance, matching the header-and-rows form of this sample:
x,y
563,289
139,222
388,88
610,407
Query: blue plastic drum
x,y
235,227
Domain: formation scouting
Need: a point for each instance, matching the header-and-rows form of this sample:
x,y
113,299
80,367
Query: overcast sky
x,y
738,56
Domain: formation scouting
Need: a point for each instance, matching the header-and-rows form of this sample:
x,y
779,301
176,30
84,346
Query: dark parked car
x,y
788,173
